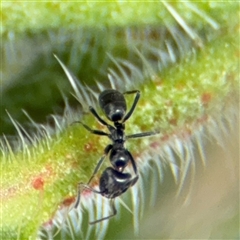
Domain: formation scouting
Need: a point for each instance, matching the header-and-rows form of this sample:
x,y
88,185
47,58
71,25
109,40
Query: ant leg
x,y
128,115
131,92
133,163
79,190
97,132
82,186
114,212
95,114
133,181
106,151
144,134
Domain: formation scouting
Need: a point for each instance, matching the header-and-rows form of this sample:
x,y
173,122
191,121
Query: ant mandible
x,y
113,182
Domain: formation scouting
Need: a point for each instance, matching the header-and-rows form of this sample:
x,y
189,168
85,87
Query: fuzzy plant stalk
x,y
189,90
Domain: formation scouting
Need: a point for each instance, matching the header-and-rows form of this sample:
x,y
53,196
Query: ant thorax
x,y
117,133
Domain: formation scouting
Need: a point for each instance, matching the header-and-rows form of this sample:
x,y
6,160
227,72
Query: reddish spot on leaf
x,y
165,138
154,145
87,193
38,183
48,225
68,201
206,98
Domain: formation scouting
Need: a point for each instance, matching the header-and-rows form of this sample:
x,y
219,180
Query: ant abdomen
x,y
113,104
114,183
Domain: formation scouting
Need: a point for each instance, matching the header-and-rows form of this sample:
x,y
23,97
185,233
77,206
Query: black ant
x,y
113,182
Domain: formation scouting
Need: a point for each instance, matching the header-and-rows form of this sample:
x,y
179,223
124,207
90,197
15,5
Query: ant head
x,y
113,104
119,159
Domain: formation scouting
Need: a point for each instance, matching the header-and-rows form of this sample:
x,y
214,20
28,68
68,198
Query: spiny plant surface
x,y
42,177
48,173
